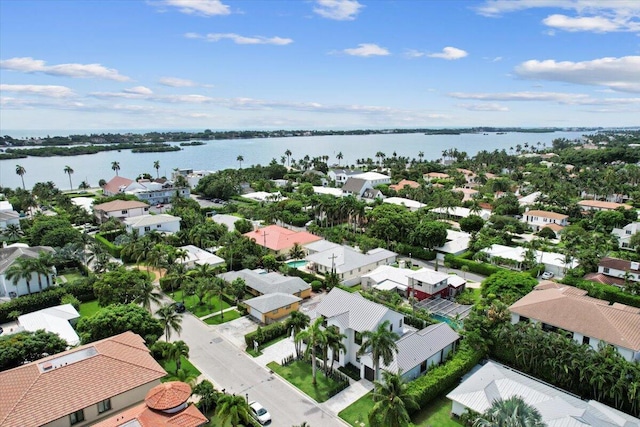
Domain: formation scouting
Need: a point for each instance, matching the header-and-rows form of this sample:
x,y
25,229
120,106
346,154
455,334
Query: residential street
x,y
230,368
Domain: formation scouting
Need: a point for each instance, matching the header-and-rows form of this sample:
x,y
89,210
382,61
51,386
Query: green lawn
x,y
253,353
228,316
170,367
72,276
89,308
351,289
436,414
299,374
192,304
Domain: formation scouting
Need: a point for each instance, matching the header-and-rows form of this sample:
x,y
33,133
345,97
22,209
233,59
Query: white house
x,y
9,218
418,351
460,212
162,223
537,220
412,205
197,256
615,271
340,176
624,234
456,244
36,283
374,178
348,263
152,192
494,381
58,320
554,262
588,320
119,209
357,185
352,314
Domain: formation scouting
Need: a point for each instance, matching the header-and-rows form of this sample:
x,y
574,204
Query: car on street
x,y
547,275
260,413
179,307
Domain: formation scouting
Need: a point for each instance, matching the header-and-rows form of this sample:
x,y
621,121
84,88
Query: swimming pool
x,y
447,320
296,264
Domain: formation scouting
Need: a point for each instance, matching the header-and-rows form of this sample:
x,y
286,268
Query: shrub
x,y
415,251
266,334
70,299
597,290
110,247
316,286
307,277
474,266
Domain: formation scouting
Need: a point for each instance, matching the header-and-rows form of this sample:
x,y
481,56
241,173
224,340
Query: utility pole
x,y
264,239
333,265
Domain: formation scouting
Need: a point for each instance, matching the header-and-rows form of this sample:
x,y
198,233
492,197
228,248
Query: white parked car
x,y
547,275
260,413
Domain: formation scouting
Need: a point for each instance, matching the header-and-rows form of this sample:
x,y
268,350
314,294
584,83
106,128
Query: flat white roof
x,y
411,204
337,192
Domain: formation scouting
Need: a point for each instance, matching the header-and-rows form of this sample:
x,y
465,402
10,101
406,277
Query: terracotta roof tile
x,y
546,214
188,417
603,205
113,186
119,205
278,238
168,395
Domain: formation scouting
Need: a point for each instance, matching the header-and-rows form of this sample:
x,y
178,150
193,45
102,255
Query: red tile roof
x,y
279,238
405,182
116,182
603,205
168,395
546,214
79,378
188,417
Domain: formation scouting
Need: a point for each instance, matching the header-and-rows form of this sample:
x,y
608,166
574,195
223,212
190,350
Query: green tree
x,y
392,402
69,171
270,263
233,410
382,345
512,412
147,295
334,342
509,286
471,224
21,269
123,286
116,319
296,251
21,171
176,351
24,347
156,166
12,232
207,394
314,337
115,166
170,320
240,159
429,234
297,322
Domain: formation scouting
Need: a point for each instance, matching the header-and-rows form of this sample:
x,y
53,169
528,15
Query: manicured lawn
x,y
351,289
299,374
253,353
72,276
435,414
192,304
88,309
170,367
228,316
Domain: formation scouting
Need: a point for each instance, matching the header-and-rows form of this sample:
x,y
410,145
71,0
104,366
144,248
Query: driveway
x,y
235,330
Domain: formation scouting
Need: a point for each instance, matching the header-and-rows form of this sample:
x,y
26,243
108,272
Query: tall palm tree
x,y
69,171
115,166
297,322
147,295
512,412
240,159
175,351
381,343
21,171
21,269
170,320
315,337
218,286
339,156
156,166
392,401
233,409
335,343
288,153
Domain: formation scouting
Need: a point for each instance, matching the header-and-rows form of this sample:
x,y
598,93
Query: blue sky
x,y
318,64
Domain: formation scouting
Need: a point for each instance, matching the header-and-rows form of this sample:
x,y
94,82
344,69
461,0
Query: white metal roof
x,y
411,204
148,220
53,319
352,310
270,302
345,258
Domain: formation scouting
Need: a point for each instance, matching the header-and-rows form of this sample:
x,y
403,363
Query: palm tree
x,y
339,156
381,343
392,401
233,409
170,320
297,322
12,232
296,251
21,171
115,166
335,343
183,376
240,159
288,153
175,351
420,155
512,412
156,166
315,337
22,268
147,295
69,171
218,286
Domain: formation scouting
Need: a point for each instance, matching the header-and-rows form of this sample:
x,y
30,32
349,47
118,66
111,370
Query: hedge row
x,y
415,251
307,277
607,292
474,266
113,250
266,334
81,289
444,377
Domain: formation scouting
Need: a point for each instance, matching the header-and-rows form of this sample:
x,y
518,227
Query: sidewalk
x,y
206,316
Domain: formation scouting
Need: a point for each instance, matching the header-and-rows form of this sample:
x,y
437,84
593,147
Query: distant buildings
x,y
151,192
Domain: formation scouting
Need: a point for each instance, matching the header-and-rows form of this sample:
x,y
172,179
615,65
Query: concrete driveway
x,y
235,330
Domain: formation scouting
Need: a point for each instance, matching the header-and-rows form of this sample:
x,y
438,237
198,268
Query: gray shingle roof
x,y
270,302
353,185
9,254
354,311
268,283
558,408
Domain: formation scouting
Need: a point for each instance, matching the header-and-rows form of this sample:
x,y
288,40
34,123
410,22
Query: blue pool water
x,y
445,319
296,264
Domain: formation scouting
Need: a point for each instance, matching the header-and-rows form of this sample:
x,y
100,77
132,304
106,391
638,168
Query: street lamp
x,y
410,261
247,396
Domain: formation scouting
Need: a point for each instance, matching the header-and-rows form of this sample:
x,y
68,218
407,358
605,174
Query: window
x,y
423,366
147,229
585,340
158,226
357,338
400,323
104,406
124,212
605,270
628,232
76,417
275,311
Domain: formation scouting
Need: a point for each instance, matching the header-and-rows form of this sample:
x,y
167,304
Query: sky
x,y
317,64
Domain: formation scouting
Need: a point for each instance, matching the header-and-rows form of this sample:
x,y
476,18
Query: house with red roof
x,y
404,183
280,240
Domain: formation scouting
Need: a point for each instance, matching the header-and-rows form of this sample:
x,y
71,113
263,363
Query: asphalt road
x,y
230,368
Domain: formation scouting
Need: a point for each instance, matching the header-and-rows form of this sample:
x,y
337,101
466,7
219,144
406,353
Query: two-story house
x,y
426,283
148,191
119,209
598,205
616,271
161,223
537,220
340,176
359,184
624,235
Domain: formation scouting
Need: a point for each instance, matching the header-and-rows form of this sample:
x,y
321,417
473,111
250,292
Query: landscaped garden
x,y
169,365
89,308
298,373
198,308
227,316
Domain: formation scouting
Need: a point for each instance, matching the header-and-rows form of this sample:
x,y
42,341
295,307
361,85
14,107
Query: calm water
x,y
217,155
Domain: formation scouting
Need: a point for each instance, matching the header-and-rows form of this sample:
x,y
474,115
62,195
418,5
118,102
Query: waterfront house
x,y
588,320
161,223
80,386
494,381
357,185
36,282
119,209
340,176
152,192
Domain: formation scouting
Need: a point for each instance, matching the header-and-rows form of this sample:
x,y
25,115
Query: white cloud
x,y
144,94
449,53
197,7
177,82
139,90
339,10
238,39
591,15
50,91
557,97
483,107
30,65
412,53
621,74
367,49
